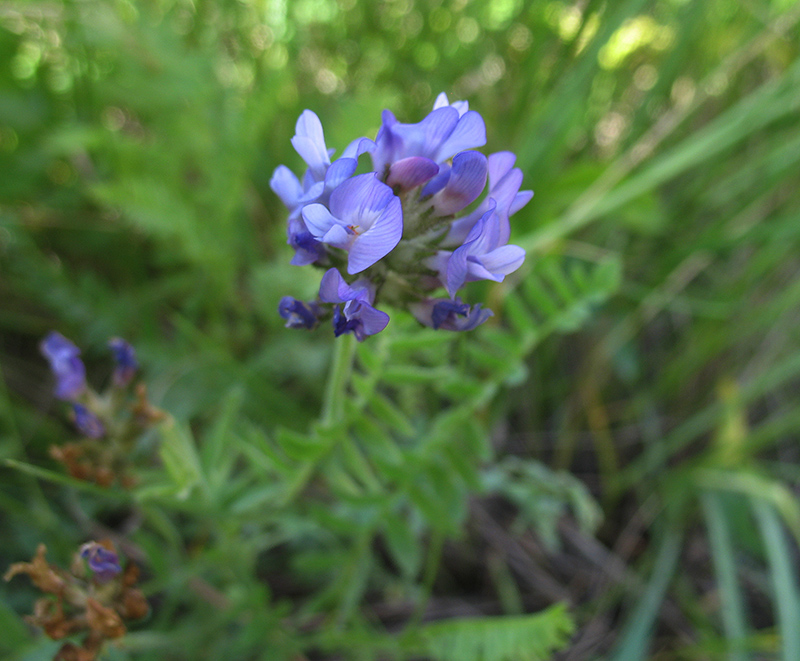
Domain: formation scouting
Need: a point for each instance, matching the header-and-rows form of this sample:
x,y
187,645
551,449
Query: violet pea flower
x,y
365,219
65,364
103,562
298,314
125,357
504,183
357,315
483,256
447,314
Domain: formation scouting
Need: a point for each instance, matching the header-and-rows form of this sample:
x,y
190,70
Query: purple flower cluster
x,y
402,230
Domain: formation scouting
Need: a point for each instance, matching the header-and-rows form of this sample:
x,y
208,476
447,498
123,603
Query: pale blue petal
x,y
357,200
503,260
477,271
309,142
424,138
520,200
500,163
333,288
467,181
373,321
438,182
318,219
286,186
485,236
339,171
338,237
441,101
456,273
357,147
470,132
379,240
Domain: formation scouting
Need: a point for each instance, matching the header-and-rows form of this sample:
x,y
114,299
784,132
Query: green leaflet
x,y
518,638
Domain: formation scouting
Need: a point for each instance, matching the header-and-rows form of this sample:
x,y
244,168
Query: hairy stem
x,y
338,378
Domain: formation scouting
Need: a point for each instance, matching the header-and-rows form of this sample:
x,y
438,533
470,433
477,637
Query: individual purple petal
x,y
103,562
361,199
424,138
299,314
334,289
357,147
466,182
487,233
286,186
65,364
503,260
387,145
339,236
379,240
438,182
520,200
87,422
411,172
318,219
457,270
442,101
309,142
469,132
340,170
500,164
448,314
125,357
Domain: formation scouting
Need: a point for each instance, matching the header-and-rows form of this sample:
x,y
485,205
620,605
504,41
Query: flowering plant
x,y
403,230
110,422
96,596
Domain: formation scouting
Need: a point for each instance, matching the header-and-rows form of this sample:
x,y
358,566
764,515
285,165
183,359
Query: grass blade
x,y
730,596
784,578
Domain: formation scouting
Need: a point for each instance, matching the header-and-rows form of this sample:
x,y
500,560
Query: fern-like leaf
x,y
521,638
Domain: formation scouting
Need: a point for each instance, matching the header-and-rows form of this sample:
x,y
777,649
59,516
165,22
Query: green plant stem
x,y
338,378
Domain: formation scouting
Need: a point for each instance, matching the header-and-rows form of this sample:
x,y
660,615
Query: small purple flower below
x,y
65,364
125,357
450,314
299,314
103,563
357,316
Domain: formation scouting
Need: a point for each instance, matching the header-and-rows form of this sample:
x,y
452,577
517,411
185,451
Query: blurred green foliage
x,y
649,345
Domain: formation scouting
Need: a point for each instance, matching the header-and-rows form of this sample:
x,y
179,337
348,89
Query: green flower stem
x,y
344,352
